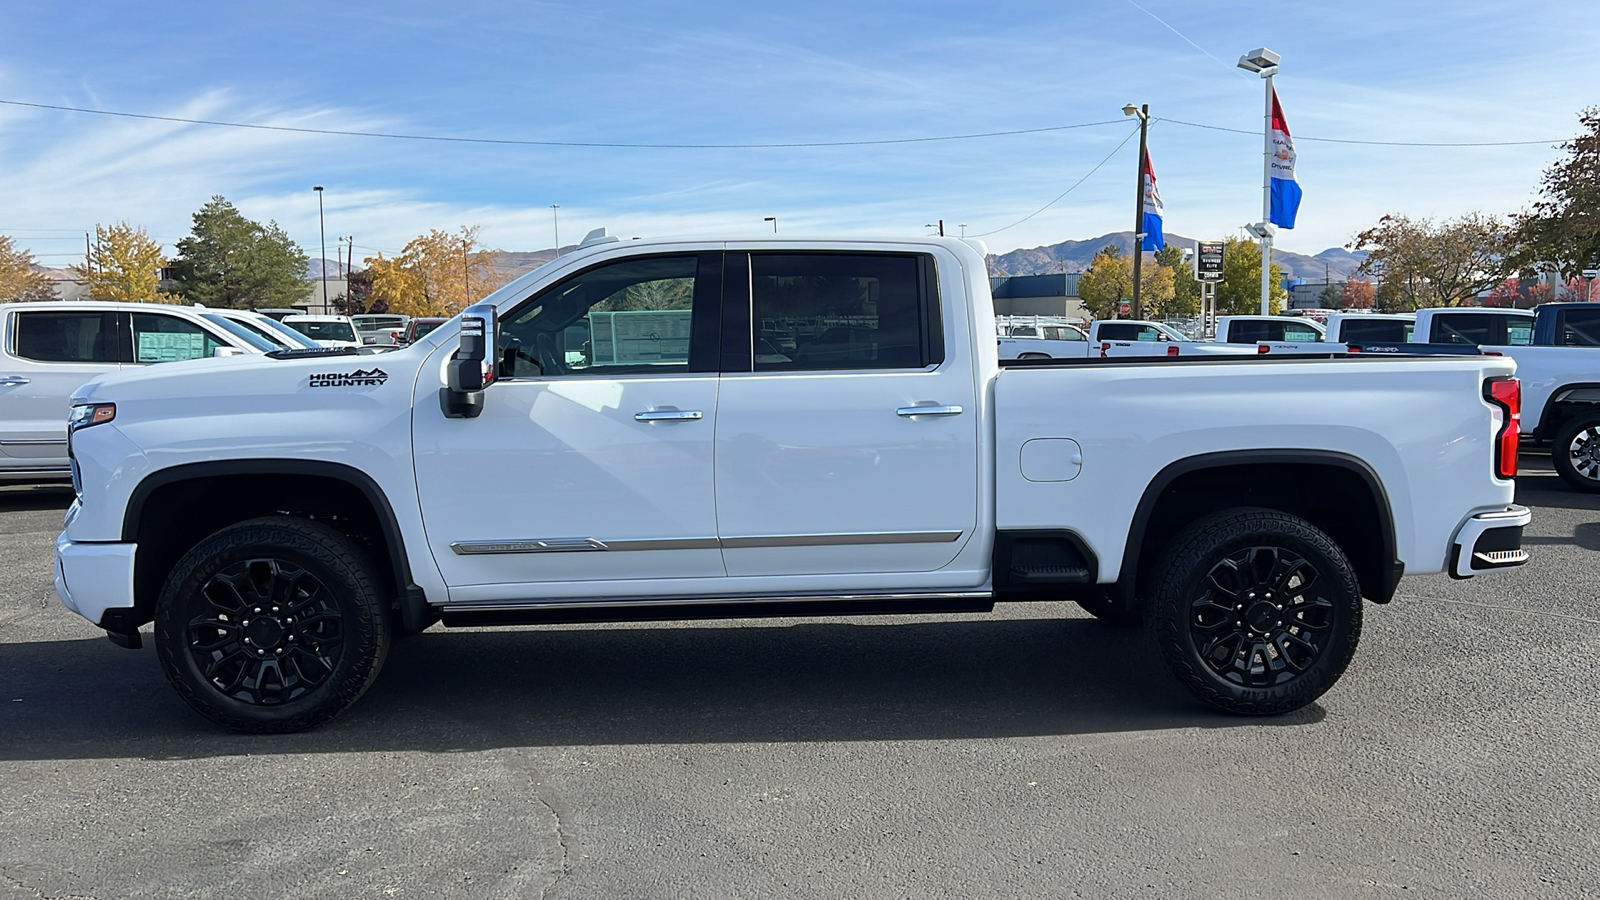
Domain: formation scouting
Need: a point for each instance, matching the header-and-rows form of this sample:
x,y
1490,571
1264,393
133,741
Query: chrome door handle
x,y
669,415
909,411
14,380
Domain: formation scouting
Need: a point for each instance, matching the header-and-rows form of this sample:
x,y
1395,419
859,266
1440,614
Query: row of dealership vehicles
x,y
625,434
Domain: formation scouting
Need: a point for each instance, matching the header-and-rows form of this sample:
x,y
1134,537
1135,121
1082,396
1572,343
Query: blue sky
x,y
715,72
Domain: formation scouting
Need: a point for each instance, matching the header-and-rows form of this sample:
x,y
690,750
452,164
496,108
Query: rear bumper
x,y
94,578
1490,541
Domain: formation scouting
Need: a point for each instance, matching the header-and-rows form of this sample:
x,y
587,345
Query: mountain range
x,y
1336,263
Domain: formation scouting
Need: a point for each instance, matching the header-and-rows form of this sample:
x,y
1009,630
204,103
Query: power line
x,y
1257,133
1067,191
591,144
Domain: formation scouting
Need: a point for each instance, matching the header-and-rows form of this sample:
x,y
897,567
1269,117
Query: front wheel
x,y
272,625
1576,453
1257,612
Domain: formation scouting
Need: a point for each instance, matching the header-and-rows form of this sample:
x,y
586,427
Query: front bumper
x,y
94,577
1490,541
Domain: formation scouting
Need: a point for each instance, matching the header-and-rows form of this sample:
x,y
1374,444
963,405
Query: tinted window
x,y
246,332
1392,331
159,338
1579,328
323,331
1128,331
1464,329
630,317
83,337
419,329
1250,331
841,311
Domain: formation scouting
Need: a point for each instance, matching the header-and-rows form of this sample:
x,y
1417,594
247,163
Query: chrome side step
x,y
554,612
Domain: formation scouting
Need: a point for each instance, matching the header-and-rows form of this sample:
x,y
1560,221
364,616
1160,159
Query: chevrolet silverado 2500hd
x,y
622,434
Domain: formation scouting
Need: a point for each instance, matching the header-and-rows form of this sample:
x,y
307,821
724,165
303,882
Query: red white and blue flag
x,y
1153,239
1285,190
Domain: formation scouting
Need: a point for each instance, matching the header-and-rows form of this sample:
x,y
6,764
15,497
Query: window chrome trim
x,y
589,544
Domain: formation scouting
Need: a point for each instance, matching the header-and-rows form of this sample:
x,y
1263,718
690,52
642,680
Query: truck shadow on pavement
x,y
574,686
33,498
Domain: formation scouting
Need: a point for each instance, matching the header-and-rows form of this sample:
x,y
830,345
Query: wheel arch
x,y
172,508
1339,493
1563,403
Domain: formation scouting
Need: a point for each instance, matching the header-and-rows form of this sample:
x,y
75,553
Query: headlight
x,y
87,414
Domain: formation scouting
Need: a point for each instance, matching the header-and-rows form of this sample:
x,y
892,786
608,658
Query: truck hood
x,y
305,382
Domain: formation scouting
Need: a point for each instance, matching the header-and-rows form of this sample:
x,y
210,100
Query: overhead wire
x,y
1069,190
1325,140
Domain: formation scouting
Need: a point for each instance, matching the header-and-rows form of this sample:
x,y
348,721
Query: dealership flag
x,y
1152,209
1285,190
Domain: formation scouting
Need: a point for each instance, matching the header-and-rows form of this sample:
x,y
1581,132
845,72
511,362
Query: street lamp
x,y
1264,62
963,231
1143,112
322,263
555,222
773,220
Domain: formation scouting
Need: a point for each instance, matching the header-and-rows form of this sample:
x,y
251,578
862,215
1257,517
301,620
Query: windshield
x,y
323,331
249,337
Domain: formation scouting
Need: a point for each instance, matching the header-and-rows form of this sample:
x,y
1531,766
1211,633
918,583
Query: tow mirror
x,y
470,370
227,351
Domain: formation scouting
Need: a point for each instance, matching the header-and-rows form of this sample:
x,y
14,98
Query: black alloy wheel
x,y
1575,452
272,625
1256,611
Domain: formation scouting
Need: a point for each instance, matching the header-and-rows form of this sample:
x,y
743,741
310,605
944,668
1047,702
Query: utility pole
x,y
555,220
466,274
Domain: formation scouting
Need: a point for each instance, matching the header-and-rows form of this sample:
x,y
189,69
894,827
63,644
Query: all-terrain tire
x,y
1578,466
272,625
1256,612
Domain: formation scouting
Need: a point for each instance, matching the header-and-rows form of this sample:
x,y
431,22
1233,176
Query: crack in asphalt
x,y
1515,609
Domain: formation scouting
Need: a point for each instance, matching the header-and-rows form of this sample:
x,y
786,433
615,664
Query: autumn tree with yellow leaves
x,y
18,279
124,264
437,274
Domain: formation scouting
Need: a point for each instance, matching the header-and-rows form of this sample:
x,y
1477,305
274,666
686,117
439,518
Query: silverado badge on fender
x,y
358,378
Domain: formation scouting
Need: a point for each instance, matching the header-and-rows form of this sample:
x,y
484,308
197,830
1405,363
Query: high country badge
x,y
358,378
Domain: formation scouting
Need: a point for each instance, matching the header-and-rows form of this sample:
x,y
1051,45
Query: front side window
x,y
1302,333
159,338
816,311
630,317
75,337
1519,331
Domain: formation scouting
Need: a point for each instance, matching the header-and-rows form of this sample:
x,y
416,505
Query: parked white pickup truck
x,y
280,518
1114,338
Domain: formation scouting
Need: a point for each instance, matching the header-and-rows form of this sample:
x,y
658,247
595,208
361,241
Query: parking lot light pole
x,y
555,223
1264,62
1143,112
322,262
773,220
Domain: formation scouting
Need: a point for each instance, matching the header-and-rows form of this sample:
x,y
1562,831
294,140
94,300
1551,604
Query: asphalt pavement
x,y
1032,752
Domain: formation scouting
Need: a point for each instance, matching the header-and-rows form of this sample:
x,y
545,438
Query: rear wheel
x,y
1257,612
1576,453
272,625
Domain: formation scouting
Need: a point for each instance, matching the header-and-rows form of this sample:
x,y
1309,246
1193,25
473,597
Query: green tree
x,y
1563,228
229,260
1239,292
1107,281
1185,288
18,278
125,264
1419,263
1331,296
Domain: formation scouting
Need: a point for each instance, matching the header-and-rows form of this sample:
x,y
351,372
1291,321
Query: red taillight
x,y
1172,350
1263,348
1353,348
1104,346
1506,393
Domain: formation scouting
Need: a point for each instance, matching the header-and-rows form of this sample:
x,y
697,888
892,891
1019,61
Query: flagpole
x,y
1266,197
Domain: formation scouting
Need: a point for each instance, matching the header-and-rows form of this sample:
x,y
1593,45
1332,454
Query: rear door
x,y
857,453
48,354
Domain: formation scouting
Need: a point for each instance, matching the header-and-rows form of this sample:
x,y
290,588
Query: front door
x,y
853,451
592,459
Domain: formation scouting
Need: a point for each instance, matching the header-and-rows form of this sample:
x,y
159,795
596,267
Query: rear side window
x,y
1464,328
159,338
77,337
818,311
1250,332
1579,328
1127,331
1389,331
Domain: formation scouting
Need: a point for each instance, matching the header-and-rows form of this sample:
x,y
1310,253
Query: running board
x,y
562,612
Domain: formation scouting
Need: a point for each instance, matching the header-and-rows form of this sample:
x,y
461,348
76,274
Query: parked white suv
x,y
48,349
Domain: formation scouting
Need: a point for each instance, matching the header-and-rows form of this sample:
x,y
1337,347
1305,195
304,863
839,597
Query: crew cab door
x,y
824,464
592,459
48,354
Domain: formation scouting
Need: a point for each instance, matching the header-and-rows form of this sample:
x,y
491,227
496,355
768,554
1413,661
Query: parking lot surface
x,y
1029,752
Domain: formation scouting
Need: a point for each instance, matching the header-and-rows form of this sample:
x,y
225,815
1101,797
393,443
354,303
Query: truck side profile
x,y
702,429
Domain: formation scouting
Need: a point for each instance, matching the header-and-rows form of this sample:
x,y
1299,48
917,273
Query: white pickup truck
x,y
1114,338
280,518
